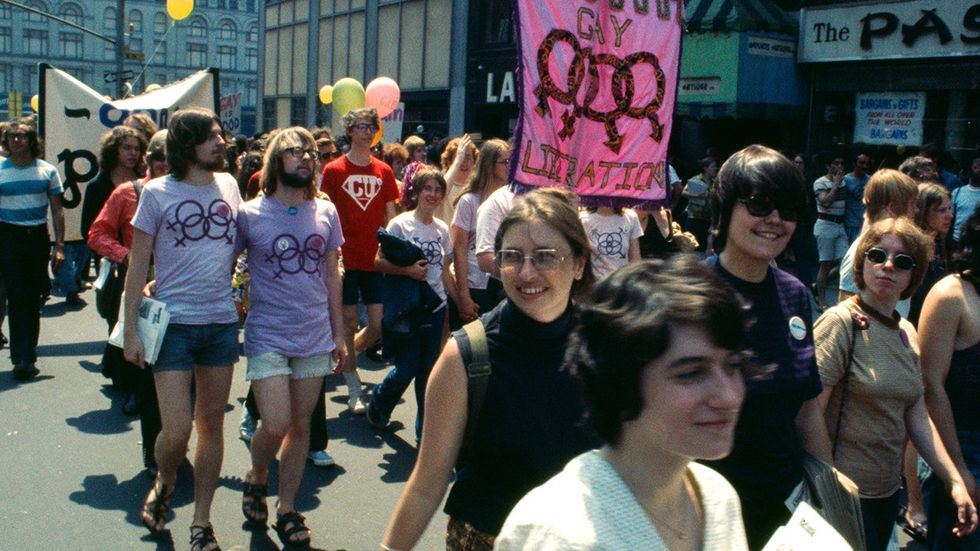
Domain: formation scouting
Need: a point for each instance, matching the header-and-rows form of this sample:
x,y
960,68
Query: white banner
x,y
72,118
890,30
394,124
889,118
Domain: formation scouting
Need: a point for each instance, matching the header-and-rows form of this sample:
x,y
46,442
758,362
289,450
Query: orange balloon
x,y
379,134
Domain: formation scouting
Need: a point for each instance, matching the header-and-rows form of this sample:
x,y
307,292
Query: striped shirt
x,y
24,192
840,196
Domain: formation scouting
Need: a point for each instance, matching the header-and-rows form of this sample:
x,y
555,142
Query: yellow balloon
x,y
151,88
326,94
34,103
179,9
379,134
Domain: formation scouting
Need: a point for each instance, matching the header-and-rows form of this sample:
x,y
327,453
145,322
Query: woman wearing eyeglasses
x,y
757,202
531,420
868,357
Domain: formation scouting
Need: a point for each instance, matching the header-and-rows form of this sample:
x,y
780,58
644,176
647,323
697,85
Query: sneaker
x,y
375,417
246,429
72,299
23,372
321,458
356,404
131,407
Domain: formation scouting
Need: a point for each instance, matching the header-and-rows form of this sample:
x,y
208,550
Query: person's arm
x,y
453,171
335,290
139,264
415,271
391,211
826,197
927,441
634,251
811,429
103,234
449,282
941,315
58,221
460,240
442,436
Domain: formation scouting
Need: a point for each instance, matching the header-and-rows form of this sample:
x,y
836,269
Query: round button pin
x,y
797,328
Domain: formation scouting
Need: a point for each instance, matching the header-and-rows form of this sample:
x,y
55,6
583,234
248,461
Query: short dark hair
x,y
421,176
111,141
917,243
754,169
967,259
187,129
627,324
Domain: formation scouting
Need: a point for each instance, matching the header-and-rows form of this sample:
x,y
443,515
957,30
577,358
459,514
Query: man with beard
x,y
28,188
294,331
364,191
186,220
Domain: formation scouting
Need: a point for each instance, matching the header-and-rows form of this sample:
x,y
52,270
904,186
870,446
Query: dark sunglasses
x,y
762,206
901,261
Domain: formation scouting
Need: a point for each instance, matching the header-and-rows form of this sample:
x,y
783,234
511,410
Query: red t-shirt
x,y
360,194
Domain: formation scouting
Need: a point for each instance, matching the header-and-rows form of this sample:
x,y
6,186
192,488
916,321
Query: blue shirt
x,y
854,199
24,191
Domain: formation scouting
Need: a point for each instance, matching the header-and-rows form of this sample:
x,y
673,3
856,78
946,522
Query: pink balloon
x,y
383,94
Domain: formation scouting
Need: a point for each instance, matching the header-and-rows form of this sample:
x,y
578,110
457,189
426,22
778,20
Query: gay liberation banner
x,y
597,85
72,117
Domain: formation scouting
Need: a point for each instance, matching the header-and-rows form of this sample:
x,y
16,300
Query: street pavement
x,y
71,473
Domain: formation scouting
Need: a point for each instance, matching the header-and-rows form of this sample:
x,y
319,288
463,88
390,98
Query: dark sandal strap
x,y
203,536
296,523
257,493
158,508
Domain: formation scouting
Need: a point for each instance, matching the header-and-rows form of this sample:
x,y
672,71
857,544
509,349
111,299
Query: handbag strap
x,y
847,372
472,342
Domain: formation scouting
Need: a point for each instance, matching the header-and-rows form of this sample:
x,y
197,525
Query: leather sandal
x,y
155,511
254,504
203,536
291,524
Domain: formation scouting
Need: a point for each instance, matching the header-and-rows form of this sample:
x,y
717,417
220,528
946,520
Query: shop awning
x,y
737,16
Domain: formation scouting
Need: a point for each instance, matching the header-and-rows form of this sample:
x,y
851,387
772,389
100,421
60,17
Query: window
x,y
233,5
134,44
160,24
6,39
251,59
72,13
268,114
495,22
297,111
70,44
226,57
197,54
198,28
253,34
36,41
227,30
5,14
34,17
160,46
136,21
109,21
250,87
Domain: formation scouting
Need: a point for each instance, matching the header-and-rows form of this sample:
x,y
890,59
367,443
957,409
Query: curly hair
x,y
449,154
917,243
111,141
628,323
369,114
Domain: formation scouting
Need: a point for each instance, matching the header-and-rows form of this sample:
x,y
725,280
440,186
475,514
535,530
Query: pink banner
x,y
598,80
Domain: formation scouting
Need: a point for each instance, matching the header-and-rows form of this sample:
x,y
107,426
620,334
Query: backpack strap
x,y
472,342
138,188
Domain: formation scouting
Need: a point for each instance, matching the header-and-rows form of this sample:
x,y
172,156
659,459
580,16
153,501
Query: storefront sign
x,y
500,88
598,84
889,118
879,30
706,86
771,47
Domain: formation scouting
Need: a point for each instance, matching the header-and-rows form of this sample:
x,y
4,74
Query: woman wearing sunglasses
x,y
531,420
868,357
755,207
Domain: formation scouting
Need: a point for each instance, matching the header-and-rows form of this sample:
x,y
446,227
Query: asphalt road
x,y
71,473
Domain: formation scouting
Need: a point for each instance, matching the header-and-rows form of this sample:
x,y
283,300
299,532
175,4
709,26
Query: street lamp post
x,y
120,46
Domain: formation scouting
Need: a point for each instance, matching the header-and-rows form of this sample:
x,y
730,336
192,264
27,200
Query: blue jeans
x,y
69,277
414,357
940,508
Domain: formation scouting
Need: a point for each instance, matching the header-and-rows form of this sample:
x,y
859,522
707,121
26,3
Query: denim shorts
x,y
186,346
365,286
273,364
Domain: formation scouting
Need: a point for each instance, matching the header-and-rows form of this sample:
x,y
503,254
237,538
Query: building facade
x,y
218,33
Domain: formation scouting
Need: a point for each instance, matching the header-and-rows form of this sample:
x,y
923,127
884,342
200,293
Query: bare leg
x,y
822,284
370,334
303,395
272,396
212,385
174,397
910,468
350,324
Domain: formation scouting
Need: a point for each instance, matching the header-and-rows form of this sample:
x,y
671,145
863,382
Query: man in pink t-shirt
x,y
364,191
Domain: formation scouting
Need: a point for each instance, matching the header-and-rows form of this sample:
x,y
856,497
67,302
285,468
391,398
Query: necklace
x,y
690,511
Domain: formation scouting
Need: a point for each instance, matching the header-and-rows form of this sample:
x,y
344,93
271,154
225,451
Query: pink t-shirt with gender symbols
x,y
194,230
288,296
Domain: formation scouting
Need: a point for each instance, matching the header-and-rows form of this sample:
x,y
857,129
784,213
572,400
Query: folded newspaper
x,y
807,531
150,327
